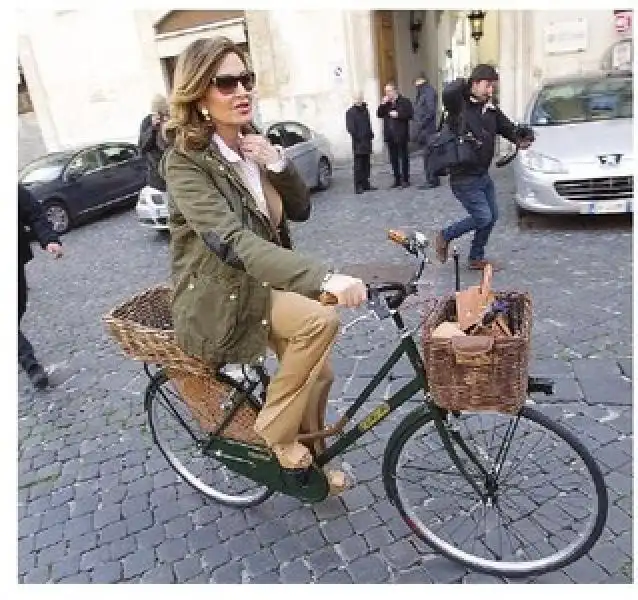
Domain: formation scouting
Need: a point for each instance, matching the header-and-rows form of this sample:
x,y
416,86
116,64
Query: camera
x,y
524,132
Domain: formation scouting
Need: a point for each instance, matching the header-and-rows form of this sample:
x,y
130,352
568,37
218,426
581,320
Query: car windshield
x,y
584,100
43,169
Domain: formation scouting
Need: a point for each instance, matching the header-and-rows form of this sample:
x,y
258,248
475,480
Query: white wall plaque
x,y
565,37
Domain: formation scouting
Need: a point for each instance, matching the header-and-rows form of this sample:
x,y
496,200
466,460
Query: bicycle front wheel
x,y
181,440
523,497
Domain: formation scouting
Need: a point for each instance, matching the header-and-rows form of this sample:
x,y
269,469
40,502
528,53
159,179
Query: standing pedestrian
x,y
396,112
471,184
425,107
152,142
30,214
360,130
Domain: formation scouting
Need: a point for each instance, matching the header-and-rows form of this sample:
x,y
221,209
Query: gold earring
x,y
205,114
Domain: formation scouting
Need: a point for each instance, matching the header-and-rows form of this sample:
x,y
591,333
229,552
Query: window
x,y
274,136
43,169
85,162
584,100
293,133
116,154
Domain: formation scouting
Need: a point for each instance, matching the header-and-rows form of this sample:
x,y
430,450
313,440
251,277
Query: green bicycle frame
x,y
407,347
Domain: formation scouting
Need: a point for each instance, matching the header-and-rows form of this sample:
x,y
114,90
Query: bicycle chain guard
x,y
260,465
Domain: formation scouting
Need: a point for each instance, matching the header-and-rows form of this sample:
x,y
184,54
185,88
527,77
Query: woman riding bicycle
x,y
238,286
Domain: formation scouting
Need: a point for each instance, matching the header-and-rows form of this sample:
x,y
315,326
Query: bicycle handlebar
x,y
415,244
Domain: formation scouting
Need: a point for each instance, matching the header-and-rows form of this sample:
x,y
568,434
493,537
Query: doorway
x,y
385,50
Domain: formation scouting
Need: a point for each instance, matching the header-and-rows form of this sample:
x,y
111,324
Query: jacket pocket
x,y
206,313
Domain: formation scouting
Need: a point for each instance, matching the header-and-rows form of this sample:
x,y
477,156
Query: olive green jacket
x,y
226,255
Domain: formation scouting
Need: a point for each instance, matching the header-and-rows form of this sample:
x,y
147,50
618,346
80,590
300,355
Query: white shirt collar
x,y
228,153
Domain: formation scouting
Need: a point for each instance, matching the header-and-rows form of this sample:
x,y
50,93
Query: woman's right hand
x,y
349,291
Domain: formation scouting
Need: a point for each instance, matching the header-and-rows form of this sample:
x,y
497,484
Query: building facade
x,y
91,73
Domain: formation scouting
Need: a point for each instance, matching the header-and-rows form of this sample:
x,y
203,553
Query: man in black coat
x,y
425,106
396,112
471,184
152,143
360,130
30,214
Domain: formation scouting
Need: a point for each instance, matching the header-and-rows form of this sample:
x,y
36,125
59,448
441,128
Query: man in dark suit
x,y
152,143
425,106
396,112
30,215
360,130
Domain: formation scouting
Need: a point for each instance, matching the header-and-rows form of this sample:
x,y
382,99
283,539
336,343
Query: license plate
x,y
608,207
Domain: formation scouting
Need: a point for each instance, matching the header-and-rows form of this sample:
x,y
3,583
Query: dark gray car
x,y
74,185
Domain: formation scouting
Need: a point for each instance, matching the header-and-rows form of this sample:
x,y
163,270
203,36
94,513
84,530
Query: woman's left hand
x,y
259,149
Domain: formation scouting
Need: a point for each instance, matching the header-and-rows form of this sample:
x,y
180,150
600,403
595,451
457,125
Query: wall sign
x,y
565,37
623,21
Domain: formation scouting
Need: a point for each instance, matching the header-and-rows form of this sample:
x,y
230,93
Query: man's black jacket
x,y
483,119
396,130
360,129
425,106
30,214
152,146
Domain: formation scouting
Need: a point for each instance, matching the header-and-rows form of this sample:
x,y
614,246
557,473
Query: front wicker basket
x,y
143,327
499,383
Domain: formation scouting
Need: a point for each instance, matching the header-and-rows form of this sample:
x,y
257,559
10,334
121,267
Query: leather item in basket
x,y
471,303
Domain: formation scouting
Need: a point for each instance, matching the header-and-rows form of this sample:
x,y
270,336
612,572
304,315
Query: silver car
x,y
308,150
582,161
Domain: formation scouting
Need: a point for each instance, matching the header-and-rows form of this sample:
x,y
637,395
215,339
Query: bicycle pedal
x,y
544,385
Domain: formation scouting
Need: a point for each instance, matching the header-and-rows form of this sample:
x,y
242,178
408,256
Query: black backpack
x,y
451,147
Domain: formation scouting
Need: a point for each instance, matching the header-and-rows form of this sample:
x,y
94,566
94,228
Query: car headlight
x,y
535,161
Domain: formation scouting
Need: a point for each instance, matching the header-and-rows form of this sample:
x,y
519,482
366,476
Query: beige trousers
x,y
302,333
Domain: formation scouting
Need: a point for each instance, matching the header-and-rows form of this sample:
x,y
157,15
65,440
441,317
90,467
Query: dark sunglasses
x,y
227,84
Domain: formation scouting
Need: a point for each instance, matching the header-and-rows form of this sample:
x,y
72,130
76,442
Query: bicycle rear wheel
x,y
181,440
535,502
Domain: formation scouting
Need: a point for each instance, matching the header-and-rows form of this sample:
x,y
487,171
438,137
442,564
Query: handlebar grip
x,y
327,299
397,236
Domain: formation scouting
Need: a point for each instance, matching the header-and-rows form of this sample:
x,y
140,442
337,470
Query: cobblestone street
x,y
97,502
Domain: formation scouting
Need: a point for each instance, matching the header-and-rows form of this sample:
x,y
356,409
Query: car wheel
x,y
58,215
324,174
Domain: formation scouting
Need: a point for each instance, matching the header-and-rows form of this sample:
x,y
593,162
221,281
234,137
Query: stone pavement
x,y
98,503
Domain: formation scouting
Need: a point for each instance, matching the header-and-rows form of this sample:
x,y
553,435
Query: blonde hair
x,y
196,66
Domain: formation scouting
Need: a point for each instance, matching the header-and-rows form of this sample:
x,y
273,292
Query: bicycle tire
x,y
422,418
164,435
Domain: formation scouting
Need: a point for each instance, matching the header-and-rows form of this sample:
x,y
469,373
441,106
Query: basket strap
x,y
472,349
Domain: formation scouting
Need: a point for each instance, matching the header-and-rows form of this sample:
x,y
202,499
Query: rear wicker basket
x,y
143,326
497,382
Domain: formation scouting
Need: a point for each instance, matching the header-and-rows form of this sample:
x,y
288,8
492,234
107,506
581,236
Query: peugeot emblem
x,y
609,159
